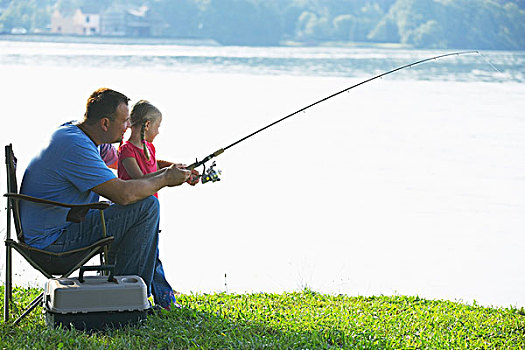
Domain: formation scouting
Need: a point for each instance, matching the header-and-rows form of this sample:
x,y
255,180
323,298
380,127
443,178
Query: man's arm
x,y
126,192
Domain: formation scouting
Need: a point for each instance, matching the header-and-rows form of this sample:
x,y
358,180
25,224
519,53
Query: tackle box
x,y
95,302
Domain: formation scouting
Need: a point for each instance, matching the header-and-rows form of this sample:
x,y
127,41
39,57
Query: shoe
x,y
174,305
154,310
169,302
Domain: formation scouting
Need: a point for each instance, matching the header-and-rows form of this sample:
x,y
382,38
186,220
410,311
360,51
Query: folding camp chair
x,y
48,263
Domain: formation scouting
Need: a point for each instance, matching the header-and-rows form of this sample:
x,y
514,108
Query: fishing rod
x,y
212,175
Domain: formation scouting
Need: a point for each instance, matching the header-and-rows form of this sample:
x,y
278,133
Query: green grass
x,y
299,320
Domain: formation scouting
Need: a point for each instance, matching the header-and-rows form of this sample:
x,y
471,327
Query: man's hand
x,y
176,176
194,177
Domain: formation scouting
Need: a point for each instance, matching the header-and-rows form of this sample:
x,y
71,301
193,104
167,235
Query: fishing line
x,y
490,64
212,175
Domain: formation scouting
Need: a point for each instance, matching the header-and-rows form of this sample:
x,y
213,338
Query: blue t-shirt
x,y
65,171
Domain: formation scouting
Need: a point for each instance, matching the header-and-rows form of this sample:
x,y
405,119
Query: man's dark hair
x,y
103,103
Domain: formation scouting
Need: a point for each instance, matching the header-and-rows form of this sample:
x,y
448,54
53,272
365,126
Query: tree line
x,y
478,24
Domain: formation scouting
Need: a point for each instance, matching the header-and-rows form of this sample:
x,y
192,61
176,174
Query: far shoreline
x,y
194,41
189,41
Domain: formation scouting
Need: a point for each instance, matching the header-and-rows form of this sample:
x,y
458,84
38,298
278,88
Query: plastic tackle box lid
x,y
95,294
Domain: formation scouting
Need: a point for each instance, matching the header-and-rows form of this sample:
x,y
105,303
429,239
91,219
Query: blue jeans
x,y
162,292
136,230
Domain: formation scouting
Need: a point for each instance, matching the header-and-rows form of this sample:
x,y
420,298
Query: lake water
x,y
412,184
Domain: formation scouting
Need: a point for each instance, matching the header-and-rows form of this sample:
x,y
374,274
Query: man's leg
x,y
135,228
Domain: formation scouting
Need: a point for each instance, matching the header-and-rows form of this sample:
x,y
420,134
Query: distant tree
x,y
384,4
428,35
241,22
360,23
481,24
184,17
513,27
341,7
67,7
270,23
312,27
386,31
27,14
493,26
290,16
344,27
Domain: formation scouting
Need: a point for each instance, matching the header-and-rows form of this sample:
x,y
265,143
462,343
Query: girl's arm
x,y
132,168
163,164
109,155
113,165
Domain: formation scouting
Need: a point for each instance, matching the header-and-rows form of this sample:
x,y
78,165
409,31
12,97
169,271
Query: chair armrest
x,y
77,212
95,205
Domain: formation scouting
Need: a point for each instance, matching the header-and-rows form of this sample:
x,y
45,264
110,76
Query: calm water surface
x,y
412,184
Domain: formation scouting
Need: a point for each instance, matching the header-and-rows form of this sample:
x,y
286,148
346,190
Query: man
x,y
70,170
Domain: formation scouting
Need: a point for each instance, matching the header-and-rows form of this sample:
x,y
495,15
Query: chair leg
x,y
8,283
30,308
8,288
104,259
38,299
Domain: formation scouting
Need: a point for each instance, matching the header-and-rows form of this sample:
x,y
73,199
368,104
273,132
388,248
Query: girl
x,y
136,158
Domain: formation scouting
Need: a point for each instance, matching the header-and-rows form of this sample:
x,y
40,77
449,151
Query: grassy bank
x,y
291,321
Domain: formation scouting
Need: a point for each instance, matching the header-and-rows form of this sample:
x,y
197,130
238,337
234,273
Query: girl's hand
x,y
194,177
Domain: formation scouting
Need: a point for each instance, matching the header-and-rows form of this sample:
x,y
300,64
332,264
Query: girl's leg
x,y
162,292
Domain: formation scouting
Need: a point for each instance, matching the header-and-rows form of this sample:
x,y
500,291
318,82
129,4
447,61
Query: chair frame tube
x,y
8,256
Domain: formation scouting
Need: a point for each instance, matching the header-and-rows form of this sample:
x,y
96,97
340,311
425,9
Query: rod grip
x,y
199,163
220,151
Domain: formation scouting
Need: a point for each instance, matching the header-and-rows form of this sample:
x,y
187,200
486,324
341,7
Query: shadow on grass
x,y
187,328
191,328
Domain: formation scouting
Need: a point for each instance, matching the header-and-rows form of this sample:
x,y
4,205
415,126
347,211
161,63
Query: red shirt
x,y
129,150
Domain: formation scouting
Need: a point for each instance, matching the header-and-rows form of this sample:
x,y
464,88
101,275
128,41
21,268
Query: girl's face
x,y
152,129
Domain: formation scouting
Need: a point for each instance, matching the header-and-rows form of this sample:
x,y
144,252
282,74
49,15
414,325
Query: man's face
x,y
120,124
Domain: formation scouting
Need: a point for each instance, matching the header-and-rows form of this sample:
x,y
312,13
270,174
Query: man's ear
x,y
104,123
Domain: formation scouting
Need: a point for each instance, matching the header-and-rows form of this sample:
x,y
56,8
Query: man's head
x,y
108,110
103,103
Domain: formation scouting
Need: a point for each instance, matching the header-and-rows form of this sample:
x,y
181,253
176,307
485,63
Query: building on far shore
x,y
113,21
80,22
136,22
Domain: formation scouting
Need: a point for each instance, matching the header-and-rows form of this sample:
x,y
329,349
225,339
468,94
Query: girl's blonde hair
x,y
142,112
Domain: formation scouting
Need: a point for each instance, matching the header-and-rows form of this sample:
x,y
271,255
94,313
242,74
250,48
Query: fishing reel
x,y
210,174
